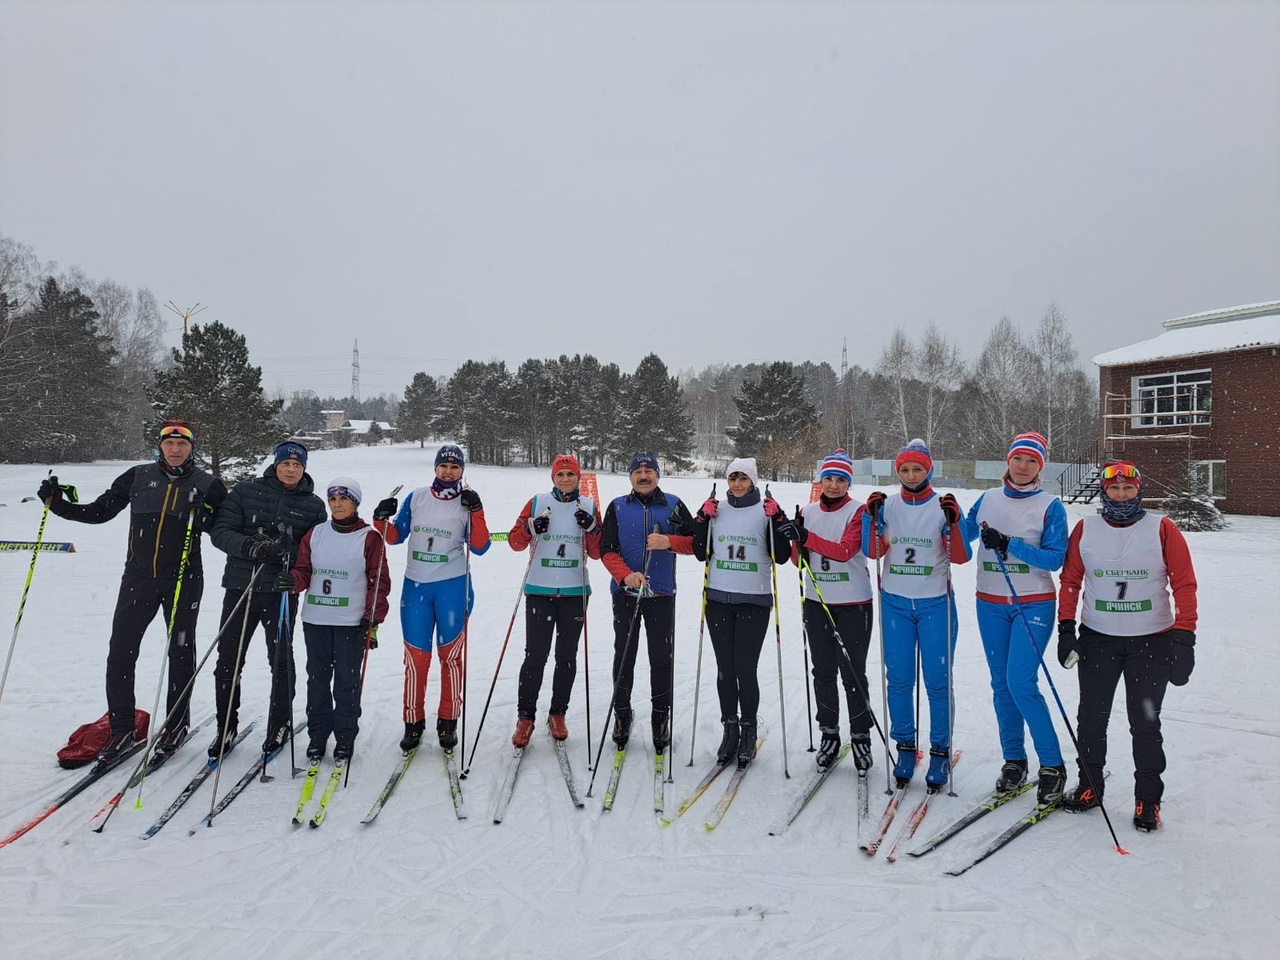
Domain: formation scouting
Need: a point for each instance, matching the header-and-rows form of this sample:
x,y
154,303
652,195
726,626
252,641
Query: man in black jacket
x,y
171,501
257,526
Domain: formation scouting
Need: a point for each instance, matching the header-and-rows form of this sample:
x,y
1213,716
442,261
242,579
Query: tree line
x,y
83,375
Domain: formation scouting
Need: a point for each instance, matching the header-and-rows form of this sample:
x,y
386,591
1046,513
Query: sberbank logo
x,y
1101,572
734,538
913,541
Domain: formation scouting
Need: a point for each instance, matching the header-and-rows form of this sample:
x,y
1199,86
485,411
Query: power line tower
x,y
355,370
846,399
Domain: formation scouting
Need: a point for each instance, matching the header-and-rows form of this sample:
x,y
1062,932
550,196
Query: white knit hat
x,y
346,487
745,465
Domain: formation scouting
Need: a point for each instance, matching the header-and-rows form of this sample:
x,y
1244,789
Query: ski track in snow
x,y
552,880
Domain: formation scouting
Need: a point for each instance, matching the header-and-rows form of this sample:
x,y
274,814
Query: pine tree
x,y
212,385
773,413
422,410
656,419
1191,507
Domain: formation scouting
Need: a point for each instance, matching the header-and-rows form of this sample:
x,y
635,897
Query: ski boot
x,y
622,727
746,742
558,729
728,748
222,744
524,730
1146,815
412,735
828,747
116,747
447,731
168,744
1012,775
939,768
905,768
1082,798
861,744
661,732
1052,786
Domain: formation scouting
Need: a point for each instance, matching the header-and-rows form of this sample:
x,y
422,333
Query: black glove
x,y
284,582
786,527
950,508
585,520
260,548
369,630
1069,649
1182,645
993,539
386,509
49,490
471,500
540,524
875,505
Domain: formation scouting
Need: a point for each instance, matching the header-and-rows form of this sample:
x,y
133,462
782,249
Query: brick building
x,y
1206,391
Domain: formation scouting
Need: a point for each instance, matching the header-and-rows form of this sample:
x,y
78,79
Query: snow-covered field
x,y
553,881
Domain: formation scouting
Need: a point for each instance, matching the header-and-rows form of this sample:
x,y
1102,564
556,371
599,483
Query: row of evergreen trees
x,y
83,375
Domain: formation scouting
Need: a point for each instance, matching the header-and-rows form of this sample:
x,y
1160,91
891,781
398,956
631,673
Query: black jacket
x,y
160,505
262,504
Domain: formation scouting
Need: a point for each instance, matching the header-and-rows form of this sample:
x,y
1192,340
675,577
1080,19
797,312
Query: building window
x,y
1211,478
1173,399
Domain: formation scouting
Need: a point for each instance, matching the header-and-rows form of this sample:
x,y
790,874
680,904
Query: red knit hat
x,y
1030,444
914,452
566,461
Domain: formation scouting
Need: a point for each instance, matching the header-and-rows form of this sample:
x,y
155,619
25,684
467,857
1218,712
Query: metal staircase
x,y
1079,483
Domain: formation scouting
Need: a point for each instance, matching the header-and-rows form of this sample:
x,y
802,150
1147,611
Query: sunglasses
x,y
1120,471
335,492
182,433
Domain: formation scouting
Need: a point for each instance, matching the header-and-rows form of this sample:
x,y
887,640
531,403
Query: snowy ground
x,y
554,881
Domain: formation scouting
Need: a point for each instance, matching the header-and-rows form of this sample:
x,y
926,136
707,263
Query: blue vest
x,y
636,521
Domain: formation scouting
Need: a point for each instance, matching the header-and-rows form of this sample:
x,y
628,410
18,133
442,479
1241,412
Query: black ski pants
x,y
853,622
334,656
659,617
263,608
545,616
1144,663
140,599
737,636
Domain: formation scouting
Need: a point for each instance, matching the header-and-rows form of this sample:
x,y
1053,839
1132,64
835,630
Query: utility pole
x,y
355,370
186,314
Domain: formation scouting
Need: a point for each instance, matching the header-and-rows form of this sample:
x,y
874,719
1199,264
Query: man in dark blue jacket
x,y
642,533
257,526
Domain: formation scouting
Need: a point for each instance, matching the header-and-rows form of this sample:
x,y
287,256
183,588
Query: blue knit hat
x,y
643,458
291,450
450,453
838,464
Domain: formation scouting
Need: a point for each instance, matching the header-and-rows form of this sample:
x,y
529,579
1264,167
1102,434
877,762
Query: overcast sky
x,y
710,181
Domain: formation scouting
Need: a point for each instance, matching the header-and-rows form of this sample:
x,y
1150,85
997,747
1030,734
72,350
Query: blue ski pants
x,y
1013,656
926,625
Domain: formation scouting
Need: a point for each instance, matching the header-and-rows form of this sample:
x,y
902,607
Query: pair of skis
x,y
730,792
258,770
909,827
326,795
508,786
193,785
402,766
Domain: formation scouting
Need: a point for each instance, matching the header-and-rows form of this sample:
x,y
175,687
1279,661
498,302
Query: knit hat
x,y
175,427
566,461
838,464
1120,471
450,453
745,465
643,458
345,487
914,452
291,450
1029,444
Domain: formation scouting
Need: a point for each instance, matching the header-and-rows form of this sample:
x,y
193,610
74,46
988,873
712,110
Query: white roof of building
x,y
362,426
1217,331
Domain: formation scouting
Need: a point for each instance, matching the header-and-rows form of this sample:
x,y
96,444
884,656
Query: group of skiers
x,y
1132,569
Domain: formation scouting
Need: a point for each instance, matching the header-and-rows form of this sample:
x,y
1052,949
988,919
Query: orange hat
x,y
565,461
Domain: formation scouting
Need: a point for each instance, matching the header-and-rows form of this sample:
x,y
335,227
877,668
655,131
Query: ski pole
x,y
951,688
114,802
1013,593
633,632
35,554
368,637
835,630
586,656
231,696
156,733
466,623
877,533
804,638
702,626
501,654
777,632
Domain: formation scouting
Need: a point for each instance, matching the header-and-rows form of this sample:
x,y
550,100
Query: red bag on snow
x,y
87,741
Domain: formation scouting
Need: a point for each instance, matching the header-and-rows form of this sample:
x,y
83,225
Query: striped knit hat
x,y
837,464
915,452
1032,445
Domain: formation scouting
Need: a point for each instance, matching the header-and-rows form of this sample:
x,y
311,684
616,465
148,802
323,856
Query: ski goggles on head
x,y
341,491
182,433
1121,471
